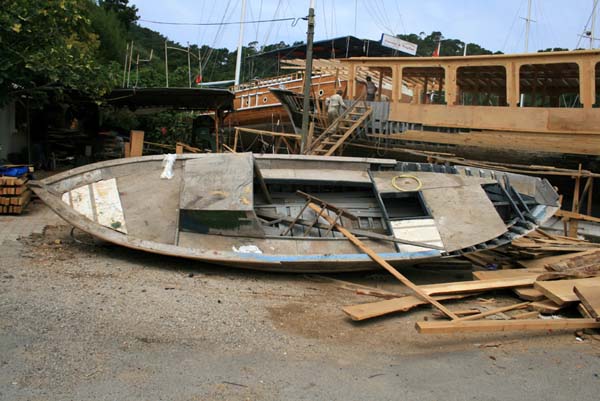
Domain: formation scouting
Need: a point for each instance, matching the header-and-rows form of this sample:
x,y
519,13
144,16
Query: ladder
x,y
343,128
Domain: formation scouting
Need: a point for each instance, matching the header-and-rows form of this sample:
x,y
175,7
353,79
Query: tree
x,y
48,45
127,14
449,47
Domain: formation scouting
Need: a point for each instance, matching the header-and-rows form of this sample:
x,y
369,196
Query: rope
x,y
412,177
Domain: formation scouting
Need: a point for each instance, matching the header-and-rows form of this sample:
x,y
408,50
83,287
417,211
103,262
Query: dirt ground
x,y
83,320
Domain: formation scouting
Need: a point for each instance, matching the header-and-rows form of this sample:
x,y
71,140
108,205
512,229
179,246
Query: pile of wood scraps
x,y
549,275
14,194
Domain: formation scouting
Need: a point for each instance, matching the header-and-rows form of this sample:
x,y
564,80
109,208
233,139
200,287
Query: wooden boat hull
x,y
126,202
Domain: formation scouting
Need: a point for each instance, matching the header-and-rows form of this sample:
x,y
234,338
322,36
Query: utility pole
x,y
166,66
238,61
130,59
308,74
125,65
527,26
189,67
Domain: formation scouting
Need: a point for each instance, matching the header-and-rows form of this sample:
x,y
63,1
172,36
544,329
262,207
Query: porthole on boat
x,y
321,92
265,99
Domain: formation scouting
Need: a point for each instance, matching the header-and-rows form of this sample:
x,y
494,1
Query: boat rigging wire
x,y
295,19
510,30
586,25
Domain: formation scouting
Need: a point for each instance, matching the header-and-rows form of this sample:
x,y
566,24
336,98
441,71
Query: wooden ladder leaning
x,y
343,128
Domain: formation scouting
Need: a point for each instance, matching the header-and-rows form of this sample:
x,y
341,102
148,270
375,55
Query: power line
x,y
220,23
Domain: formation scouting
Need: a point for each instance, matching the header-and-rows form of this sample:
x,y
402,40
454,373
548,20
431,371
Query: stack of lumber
x,y
14,194
531,251
566,283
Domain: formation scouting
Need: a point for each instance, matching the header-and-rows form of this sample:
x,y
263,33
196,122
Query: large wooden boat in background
x,y
256,107
245,211
520,107
539,108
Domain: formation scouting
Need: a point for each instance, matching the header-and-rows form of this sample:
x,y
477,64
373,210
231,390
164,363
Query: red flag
x,y
436,52
198,79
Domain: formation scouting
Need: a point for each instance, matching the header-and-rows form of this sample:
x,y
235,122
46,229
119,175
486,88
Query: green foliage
x,y
111,33
553,49
177,126
450,47
125,13
48,44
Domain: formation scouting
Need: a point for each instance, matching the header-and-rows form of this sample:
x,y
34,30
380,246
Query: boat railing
x,y
257,83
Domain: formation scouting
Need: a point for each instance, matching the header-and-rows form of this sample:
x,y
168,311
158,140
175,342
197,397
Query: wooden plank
x,y
561,291
529,294
495,311
525,315
526,293
506,273
576,216
381,308
465,216
163,200
136,140
584,312
373,255
504,325
218,182
547,307
589,295
463,287
542,262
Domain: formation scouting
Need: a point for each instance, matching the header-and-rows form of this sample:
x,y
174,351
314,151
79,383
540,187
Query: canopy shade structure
x,y
175,98
342,47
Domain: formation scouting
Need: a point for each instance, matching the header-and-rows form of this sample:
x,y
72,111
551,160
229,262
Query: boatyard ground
x,y
83,320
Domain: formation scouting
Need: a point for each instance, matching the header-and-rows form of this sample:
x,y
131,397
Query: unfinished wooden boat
x,y
534,108
249,211
256,107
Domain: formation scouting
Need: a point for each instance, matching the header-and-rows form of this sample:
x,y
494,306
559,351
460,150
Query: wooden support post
x,y
574,224
380,261
451,86
136,139
495,311
512,87
127,149
178,149
352,81
380,85
590,196
311,133
235,138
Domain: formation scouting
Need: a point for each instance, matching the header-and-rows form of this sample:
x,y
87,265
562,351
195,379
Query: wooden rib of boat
x,y
244,210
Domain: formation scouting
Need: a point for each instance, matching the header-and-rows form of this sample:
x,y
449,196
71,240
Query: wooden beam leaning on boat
x,y
319,209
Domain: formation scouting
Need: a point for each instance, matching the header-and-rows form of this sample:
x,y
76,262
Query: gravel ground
x,y
90,321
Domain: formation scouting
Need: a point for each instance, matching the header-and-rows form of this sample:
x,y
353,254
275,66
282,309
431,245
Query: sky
x,y
497,25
